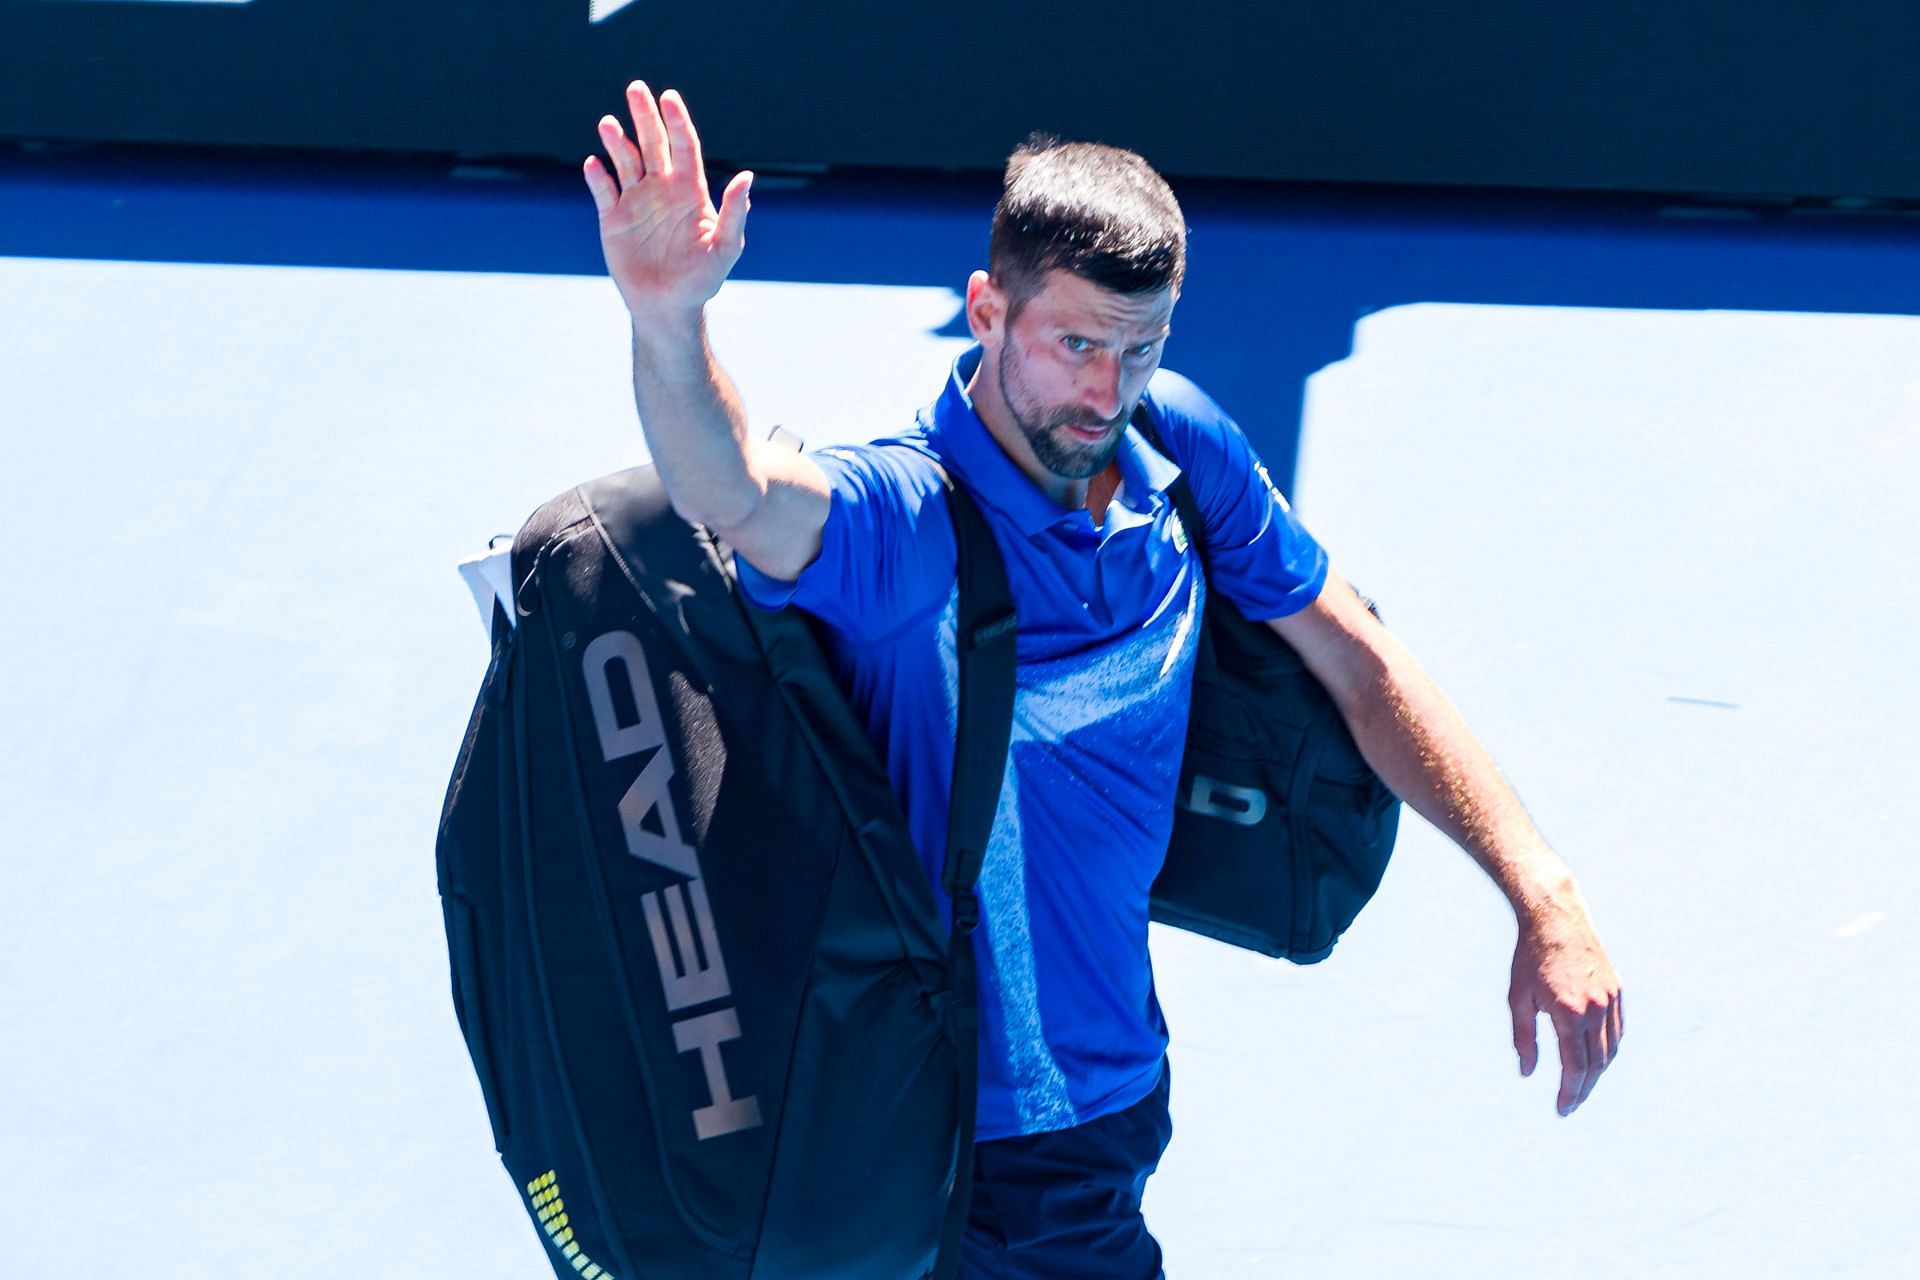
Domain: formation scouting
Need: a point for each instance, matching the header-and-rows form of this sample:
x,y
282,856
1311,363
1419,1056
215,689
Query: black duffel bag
x,y
1282,831
696,960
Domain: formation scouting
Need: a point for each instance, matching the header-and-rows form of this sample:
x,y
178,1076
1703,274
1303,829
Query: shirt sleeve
x,y
882,549
1258,553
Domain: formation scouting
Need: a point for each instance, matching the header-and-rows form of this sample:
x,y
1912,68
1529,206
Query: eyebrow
x,y
1155,336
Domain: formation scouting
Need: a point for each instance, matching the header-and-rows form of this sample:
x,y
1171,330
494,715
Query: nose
x,y
1100,386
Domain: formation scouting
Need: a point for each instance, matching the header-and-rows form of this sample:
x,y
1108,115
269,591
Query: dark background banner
x,y
1700,96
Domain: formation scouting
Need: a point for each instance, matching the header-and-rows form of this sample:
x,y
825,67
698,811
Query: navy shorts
x,y
1066,1205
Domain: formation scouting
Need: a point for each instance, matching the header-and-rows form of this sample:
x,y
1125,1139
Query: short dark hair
x,y
1097,211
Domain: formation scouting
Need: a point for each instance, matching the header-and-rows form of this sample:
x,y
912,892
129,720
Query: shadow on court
x,y
1277,278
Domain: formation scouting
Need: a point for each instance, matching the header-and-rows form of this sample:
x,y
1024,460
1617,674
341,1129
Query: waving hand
x,y
667,248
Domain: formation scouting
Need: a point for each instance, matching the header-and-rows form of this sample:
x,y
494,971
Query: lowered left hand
x,y
1560,969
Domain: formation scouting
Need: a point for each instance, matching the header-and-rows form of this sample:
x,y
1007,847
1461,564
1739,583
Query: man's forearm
x,y
1419,744
693,419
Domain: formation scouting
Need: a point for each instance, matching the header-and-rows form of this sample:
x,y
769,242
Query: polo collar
x,y
959,436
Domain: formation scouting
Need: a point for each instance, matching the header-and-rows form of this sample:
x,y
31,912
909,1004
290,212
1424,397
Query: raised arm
x,y
669,250
1416,741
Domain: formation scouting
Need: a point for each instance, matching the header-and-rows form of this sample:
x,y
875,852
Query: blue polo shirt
x,y
1070,1029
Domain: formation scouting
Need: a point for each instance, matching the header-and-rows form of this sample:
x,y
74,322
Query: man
x,y
1085,265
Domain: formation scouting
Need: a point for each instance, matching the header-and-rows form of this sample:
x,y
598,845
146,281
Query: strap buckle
x,y
966,911
987,632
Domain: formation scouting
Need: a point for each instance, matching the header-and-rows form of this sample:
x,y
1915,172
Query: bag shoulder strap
x,y
986,629
1179,491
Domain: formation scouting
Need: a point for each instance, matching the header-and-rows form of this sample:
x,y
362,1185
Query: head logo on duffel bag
x,y
686,980
1212,798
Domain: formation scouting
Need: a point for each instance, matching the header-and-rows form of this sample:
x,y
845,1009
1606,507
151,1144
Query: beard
x,y
1045,428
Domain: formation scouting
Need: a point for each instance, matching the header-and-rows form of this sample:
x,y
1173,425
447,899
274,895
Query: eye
x,y
1074,342
1144,350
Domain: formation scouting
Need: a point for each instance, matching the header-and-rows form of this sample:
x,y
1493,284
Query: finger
x,y
1574,1061
731,226
648,135
1524,1018
683,143
1599,1053
1606,1040
600,182
626,161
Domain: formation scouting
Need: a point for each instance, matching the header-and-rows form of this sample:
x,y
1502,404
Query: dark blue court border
x,y
1278,275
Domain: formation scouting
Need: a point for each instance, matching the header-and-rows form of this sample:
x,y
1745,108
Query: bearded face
x,y
1068,440
1073,360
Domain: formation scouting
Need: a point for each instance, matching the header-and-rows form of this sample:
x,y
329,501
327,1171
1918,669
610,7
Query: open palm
x,y
667,247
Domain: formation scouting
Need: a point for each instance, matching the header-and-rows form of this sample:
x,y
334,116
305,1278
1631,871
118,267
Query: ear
x,y
986,309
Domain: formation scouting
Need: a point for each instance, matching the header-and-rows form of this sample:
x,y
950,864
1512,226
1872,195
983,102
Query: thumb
x,y
1524,1016
730,226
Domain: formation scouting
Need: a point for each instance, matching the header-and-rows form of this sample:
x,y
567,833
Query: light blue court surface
x,y
1637,488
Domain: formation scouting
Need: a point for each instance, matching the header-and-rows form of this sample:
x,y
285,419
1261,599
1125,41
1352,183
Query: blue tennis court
x,y
1633,479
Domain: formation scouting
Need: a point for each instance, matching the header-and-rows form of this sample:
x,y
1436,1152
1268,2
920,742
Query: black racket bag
x,y
695,959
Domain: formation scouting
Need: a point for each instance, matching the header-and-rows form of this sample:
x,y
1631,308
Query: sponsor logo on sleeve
x,y
1279,499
